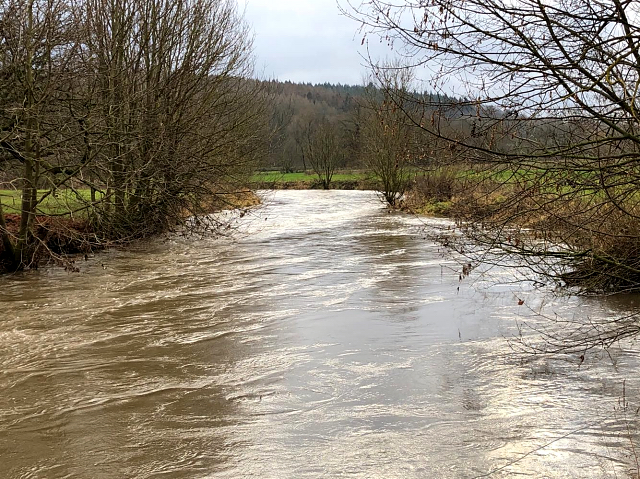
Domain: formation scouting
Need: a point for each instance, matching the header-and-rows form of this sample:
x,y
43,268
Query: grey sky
x,y
305,41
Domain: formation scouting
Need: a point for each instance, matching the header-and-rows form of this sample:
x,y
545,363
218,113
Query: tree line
x,y
321,128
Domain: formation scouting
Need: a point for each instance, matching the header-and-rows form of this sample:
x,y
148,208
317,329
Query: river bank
x,y
342,180
62,239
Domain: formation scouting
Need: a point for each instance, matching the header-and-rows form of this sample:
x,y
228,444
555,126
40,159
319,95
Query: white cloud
x,y
305,41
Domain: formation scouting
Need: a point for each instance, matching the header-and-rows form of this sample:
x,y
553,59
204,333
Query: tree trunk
x,y
8,250
28,181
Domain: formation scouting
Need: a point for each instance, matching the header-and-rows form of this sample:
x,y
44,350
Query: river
x,y
322,337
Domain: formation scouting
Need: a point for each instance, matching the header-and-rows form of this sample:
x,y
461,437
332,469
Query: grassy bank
x,y
463,192
342,180
75,204
438,192
570,227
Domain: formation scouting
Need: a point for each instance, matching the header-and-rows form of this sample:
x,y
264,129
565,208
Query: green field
x,y
64,203
278,177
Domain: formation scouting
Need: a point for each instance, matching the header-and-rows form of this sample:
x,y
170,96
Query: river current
x,y
322,337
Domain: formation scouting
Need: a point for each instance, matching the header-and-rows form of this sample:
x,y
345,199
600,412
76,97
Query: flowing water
x,y
325,337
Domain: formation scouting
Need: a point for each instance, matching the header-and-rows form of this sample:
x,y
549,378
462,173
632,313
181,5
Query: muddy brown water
x,y
325,338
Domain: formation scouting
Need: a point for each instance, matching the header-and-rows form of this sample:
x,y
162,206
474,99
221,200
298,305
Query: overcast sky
x,y
305,41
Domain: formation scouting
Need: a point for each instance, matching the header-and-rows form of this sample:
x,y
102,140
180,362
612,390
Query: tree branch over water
x,y
546,136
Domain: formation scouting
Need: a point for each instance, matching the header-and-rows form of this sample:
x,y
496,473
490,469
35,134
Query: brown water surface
x,y
325,338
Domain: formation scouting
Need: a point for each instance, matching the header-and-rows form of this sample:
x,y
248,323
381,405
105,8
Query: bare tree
x,y
387,136
149,104
37,44
324,149
180,120
548,115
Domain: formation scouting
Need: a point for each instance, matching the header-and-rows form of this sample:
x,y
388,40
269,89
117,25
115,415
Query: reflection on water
x,y
326,338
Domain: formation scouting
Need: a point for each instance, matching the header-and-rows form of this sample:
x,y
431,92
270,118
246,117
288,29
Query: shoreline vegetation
x,y
63,232
119,120
108,135
341,180
438,193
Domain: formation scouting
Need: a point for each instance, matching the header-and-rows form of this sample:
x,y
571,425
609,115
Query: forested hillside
x,y
299,109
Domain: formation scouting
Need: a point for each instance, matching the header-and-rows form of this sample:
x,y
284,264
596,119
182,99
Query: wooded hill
x,y
298,108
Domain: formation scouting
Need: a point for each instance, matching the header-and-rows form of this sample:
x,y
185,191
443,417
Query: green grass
x,y
64,203
435,208
276,176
